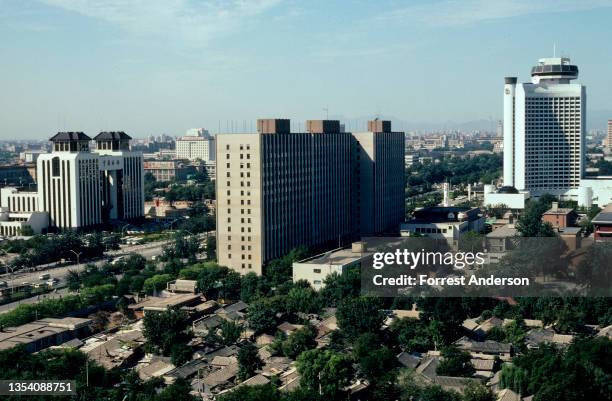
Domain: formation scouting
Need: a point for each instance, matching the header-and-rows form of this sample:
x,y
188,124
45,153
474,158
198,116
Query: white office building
x,y
80,188
197,144
544,138
544,129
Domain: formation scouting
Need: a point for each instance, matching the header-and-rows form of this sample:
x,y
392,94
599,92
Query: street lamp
x,y
77,254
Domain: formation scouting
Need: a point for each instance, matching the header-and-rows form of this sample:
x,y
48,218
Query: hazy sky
x,y
163,66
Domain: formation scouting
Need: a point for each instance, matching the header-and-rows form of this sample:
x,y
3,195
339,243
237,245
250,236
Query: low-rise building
x,y
507,196
315,269
500,241
44,333
442,222
169,170
602,224
160,304
560,218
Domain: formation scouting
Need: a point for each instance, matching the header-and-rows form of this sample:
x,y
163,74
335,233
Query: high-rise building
x,y
544,140
81,188
544,129
378,178
277,190
610,134
197,144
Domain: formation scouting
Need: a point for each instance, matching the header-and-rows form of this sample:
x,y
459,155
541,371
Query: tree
x,y
27,231
230,332
180,354
230,286
455,362
377,364
412,335
477,392
278,271
180,390
359,315
250,287
341,286
303,300
156,283
163,330
248,361
530,222
73,280
593,271
299,341
211,248
261,317
324,371
210,279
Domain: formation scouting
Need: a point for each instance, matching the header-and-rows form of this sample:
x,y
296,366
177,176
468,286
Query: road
x,y
147,250
51,295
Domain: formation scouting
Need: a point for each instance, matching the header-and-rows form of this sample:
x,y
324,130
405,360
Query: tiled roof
x,y
112,135
70,136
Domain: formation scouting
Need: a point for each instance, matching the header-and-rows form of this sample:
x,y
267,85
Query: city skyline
x,y
150,68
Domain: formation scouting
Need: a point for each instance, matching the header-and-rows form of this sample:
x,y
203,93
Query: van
x,y
45,276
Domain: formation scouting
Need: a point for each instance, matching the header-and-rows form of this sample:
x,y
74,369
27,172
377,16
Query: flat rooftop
x,y
338,257
162,303
442,214
37,330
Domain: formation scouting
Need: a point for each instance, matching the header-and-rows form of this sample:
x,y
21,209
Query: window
x,y
55,166
318,271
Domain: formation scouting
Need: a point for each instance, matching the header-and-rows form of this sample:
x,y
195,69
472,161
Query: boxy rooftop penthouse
x,y
283,126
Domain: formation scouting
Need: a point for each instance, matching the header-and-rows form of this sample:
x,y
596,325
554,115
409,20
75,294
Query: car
x,y
45,276
117,260
52,282
3,284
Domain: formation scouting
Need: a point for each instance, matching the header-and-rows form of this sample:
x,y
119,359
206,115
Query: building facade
x,y
609,134
277,190
544,129
168,170
544,137
198,145
81,188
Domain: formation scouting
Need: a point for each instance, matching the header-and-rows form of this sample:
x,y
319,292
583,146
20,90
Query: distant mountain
x,y
596,119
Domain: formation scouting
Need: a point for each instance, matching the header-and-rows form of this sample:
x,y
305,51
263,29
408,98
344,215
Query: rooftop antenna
x,y
326,110
554,49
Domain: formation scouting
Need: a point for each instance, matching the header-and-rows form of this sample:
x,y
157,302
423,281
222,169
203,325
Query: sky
x,y
164,66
